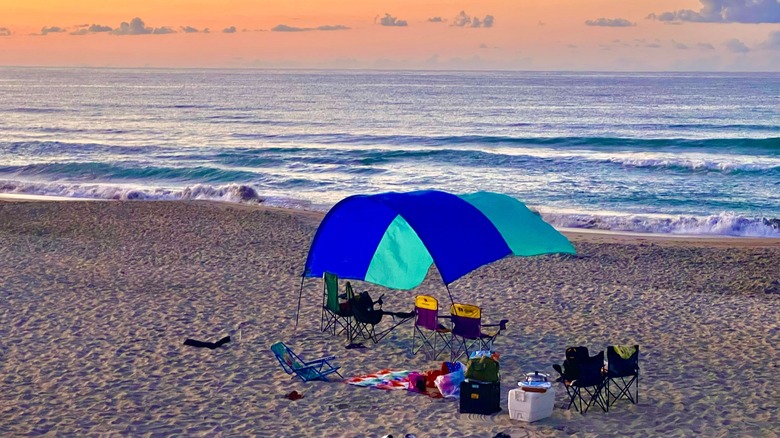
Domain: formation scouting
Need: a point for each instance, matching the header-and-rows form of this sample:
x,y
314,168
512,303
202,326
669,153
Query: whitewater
x,y
674,153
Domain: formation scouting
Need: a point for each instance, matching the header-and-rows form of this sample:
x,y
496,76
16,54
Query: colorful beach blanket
x,y
383,379
390,380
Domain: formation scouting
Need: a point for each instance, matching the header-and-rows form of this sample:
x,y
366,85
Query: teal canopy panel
x,y
391,239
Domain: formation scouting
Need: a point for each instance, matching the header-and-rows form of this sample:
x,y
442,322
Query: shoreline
x,y
604,236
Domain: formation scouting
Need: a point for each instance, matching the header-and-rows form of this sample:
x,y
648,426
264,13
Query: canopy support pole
x,y
449,293
297,312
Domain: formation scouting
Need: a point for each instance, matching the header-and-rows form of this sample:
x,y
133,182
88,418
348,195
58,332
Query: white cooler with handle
x,y
531,406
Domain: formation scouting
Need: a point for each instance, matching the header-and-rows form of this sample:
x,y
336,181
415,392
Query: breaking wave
x,y
723,224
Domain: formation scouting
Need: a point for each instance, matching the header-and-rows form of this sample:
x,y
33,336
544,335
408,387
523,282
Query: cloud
x,y
4,31
231,29
333,27
389,20
465,20
705,46
436,20
286,28
736,46
136,26
98,28
95,28
189,29
328,27
726,11
610,22
680,46
53,29
772,43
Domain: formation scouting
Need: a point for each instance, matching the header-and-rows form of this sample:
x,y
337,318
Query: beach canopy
x,y
391,239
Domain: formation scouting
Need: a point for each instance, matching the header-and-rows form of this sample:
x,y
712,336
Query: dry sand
x,y
97,298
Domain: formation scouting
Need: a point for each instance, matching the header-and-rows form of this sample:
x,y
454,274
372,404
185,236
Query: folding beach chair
x,y
367,316
336,315
622,373
467,334
584,378
292,364
433,337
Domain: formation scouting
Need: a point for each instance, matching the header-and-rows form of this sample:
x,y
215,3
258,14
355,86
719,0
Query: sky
x,y
576,35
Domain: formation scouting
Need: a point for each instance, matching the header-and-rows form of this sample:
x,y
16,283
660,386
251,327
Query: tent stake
x,y
297,312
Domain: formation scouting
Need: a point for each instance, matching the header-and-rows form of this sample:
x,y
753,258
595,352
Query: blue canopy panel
x,y
347,238
457,235
402,233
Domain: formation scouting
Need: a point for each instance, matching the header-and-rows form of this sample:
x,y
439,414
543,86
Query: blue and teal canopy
x,y
391,239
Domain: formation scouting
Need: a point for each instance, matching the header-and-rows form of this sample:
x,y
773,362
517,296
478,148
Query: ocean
x,y
682,153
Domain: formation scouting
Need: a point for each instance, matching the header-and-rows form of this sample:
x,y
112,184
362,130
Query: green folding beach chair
x,y
317,369
336,315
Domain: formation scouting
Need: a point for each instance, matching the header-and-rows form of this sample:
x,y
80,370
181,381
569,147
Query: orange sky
x,y
536,34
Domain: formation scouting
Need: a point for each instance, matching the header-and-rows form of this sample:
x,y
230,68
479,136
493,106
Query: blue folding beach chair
x,y
307,371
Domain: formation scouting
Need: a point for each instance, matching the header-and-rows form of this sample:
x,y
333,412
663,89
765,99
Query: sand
x,y
96,300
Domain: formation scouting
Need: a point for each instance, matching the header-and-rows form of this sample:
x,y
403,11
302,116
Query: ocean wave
x,y
48,148
723,224
127,170
653,144
518,158
229,192
72,156
721,164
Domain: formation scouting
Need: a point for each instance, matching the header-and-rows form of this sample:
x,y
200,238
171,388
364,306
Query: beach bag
x,y
482,368
449,384
417,382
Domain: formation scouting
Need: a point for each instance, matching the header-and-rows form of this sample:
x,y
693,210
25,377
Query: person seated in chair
x,y
367,313
363,307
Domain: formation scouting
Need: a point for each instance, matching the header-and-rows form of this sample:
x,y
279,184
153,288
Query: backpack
x,y
483,368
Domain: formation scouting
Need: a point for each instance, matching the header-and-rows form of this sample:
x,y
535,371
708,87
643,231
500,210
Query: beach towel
x,y
625,351
389,379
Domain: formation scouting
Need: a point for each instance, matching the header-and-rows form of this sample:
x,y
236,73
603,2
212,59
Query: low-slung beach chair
x,y
584,378
433,337
316,369
336,315
622,373
467,333
367,316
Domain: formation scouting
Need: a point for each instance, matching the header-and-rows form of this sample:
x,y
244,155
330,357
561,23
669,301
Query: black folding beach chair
x,y
584,378
367,316
622,373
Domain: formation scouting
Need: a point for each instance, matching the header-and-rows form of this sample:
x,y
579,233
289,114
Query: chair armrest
x,y
308,366
320,360
501,325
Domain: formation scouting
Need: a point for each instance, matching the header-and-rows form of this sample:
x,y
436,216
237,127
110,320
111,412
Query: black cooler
x,y
480,397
